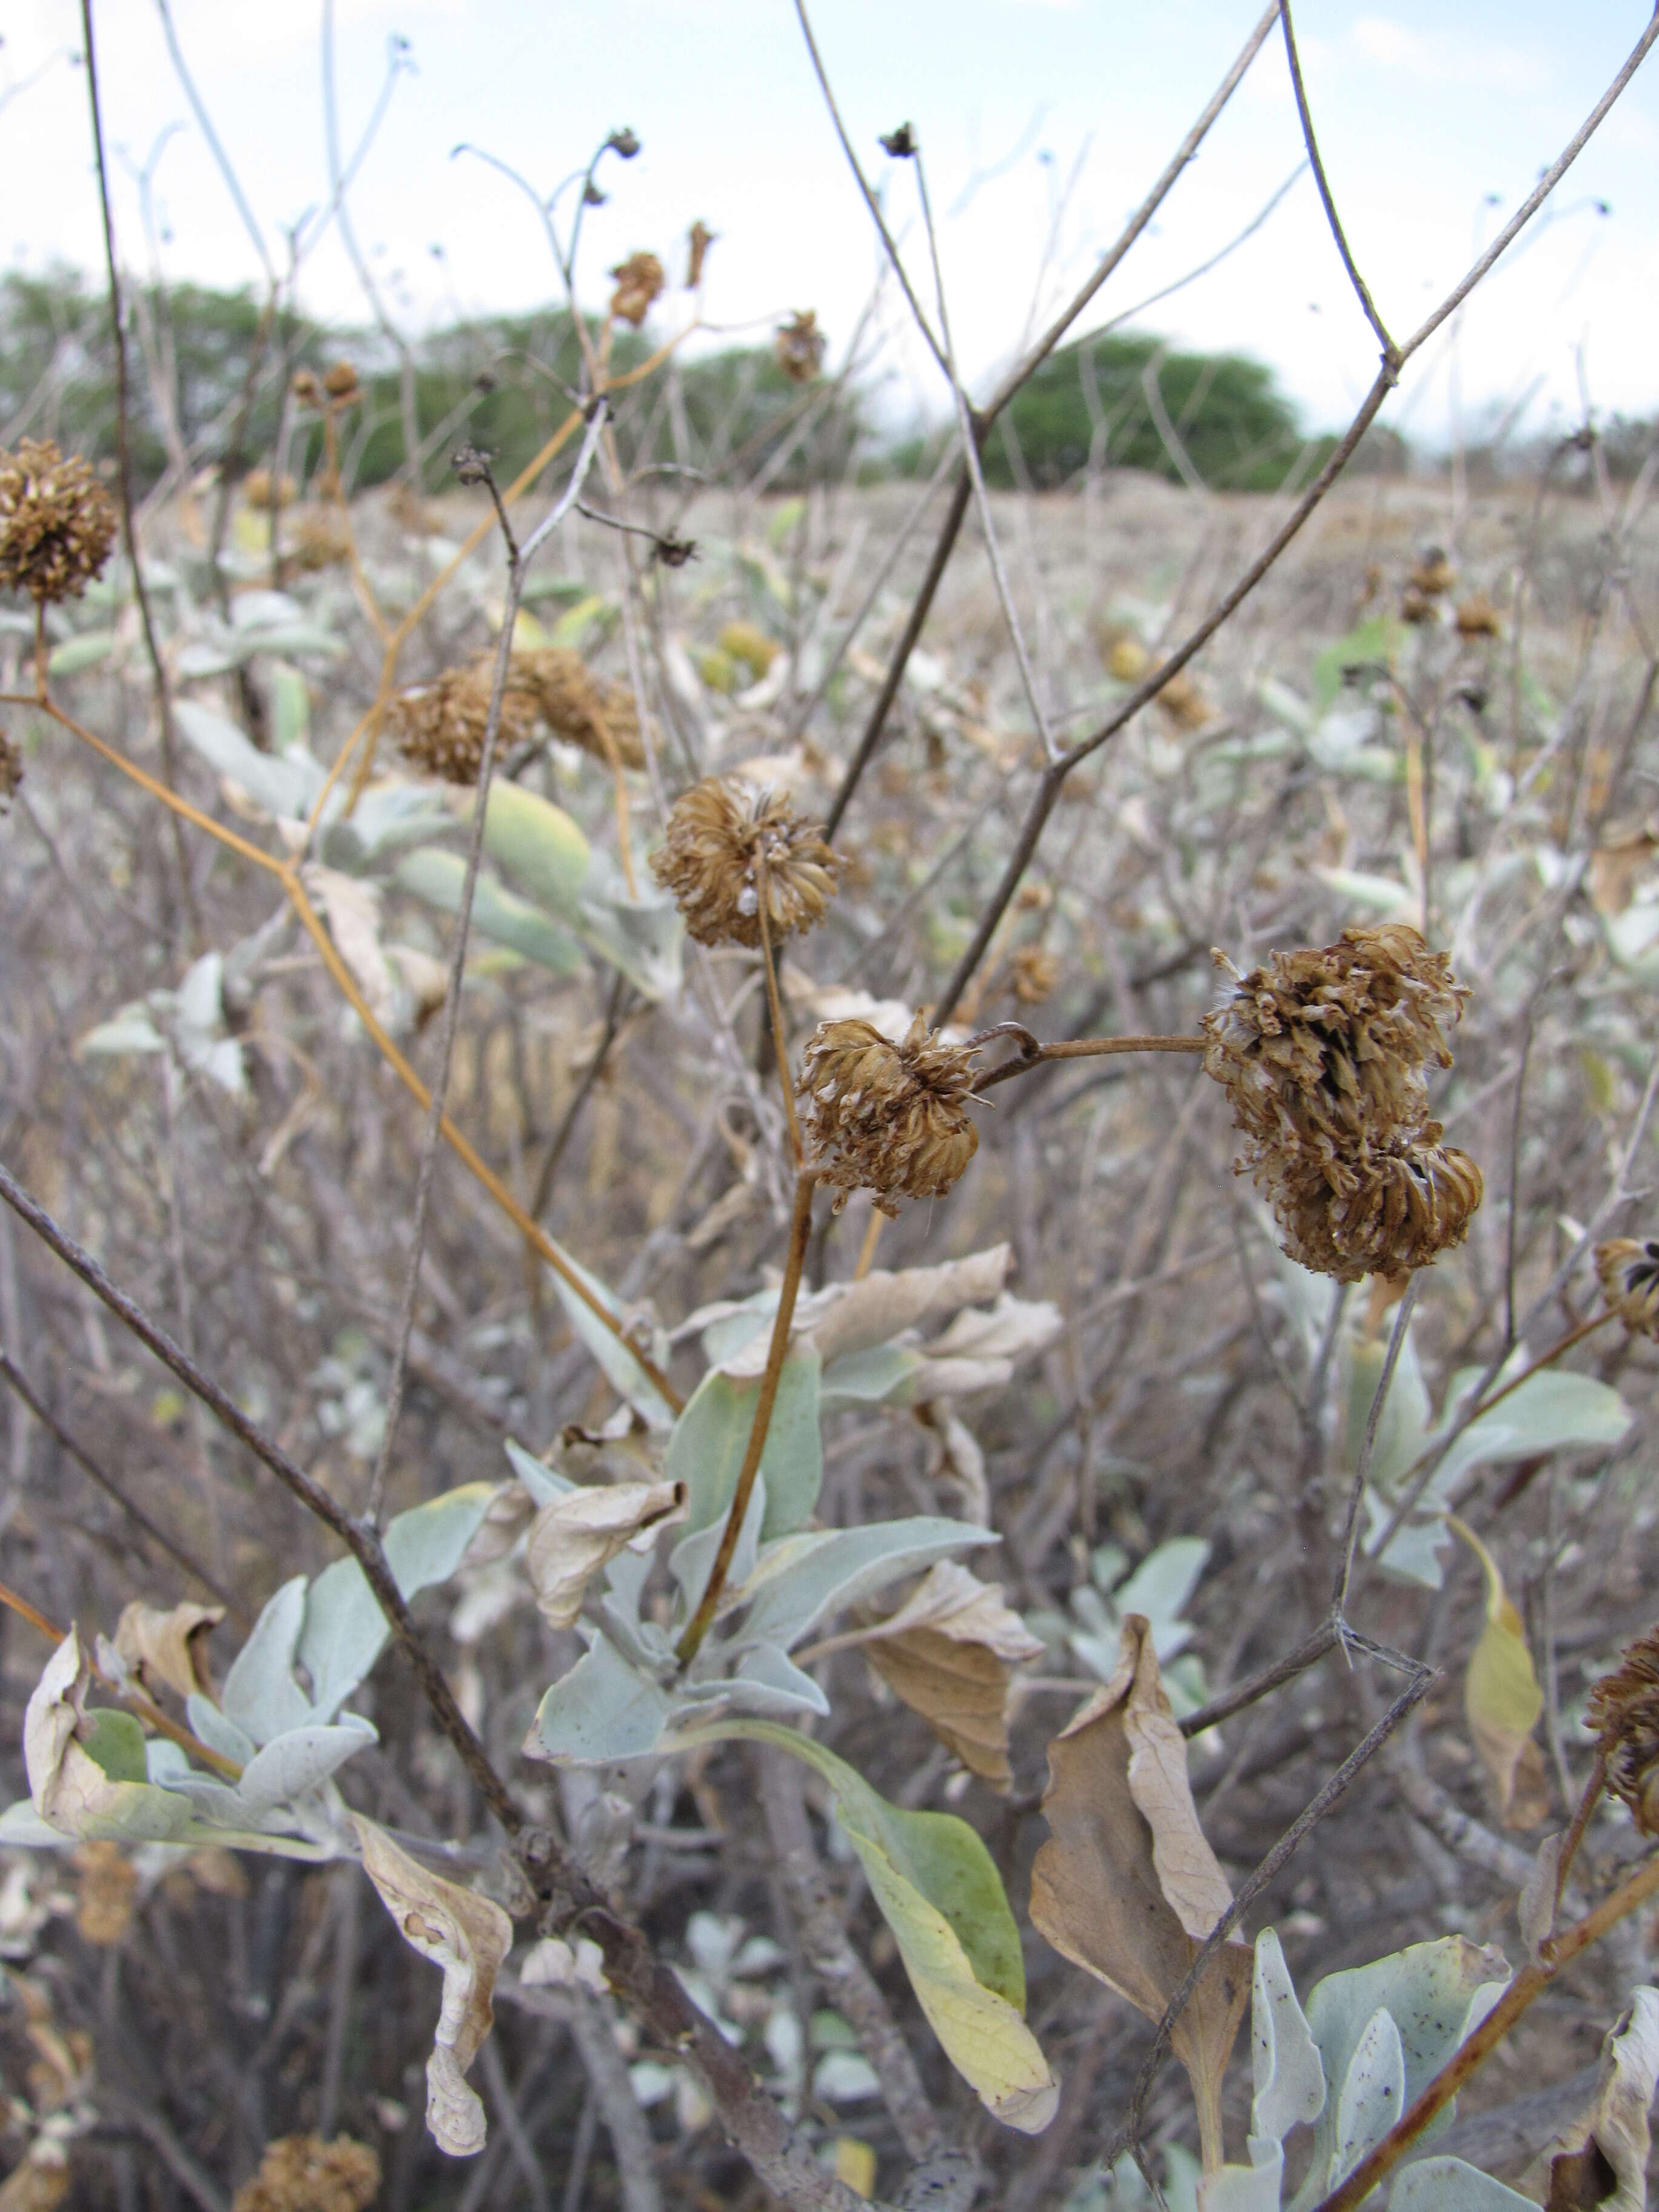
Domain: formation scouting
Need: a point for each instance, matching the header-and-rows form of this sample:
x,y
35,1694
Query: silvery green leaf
x,y
1160,1586
885,1374
1253,2188
344,1630
801,1579
387,816
543,1483
690,1561
1447,2184
733,1322
1404,1422
616,1362
84,651
1373,2095
290,706
845,2077
1413,1553
199,1027
768,1680
21,1826
264,610
641,1643
625,1577
298,1762
285,787
540,847
1435,1993
217,1732
1289,2075
602,1710
1284,705
712,1435
130,1030
1552,1411
643,938
260,1693
438,876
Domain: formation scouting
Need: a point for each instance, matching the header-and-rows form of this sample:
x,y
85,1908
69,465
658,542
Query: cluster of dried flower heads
x,y
1623,1712
303,2173
439,726
724,838
891,1119
1627,1268
1322,1055
639,280
799,348
57,522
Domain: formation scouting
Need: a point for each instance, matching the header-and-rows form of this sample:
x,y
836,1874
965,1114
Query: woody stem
x,y
774,1004
800,1230
1032,1054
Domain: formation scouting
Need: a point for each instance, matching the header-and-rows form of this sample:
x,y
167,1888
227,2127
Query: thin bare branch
x,y
1294,59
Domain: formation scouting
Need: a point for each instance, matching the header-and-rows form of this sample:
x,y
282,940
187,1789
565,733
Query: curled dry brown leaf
x,y
168,1644
468,1936
575,1536
1127,1886
1600,2158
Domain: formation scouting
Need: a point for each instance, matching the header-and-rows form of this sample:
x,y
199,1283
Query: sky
x,y
1042,123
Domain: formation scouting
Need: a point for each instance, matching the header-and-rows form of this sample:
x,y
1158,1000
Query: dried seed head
x,y
1184,704
799,348
57,522
1433,574
306,389
700,238
747,642
261,490
303,2173
1623,1711
1628,1268
1416,607
321,540
577,706
639,281
1395,1211
340,382
11,771
900,143
891,1119
439,726
1035,972
106,1893
1321,1055
721,834
1477,617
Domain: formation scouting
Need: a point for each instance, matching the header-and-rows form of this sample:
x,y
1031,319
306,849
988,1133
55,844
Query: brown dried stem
x,y
800,1230
1037,1055
774,1008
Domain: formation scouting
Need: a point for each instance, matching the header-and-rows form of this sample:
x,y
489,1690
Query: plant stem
x,y
774,1004
801,1228
1082,1048
1528,1985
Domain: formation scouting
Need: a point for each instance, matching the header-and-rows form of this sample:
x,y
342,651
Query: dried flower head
x,y
340,382
303,2173
108,1886
1322,1054
261,490
11,771
57,522
1035,972
799,348
722,834
891,1119
1184,704
1433,574
577,706
699,239
747,642
1417,607
1623,1711
305,388
1395,1211
1477,617
321,540
1628,1269
900,143
439,726
639,280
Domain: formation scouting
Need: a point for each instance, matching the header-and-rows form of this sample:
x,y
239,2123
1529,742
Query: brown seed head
x,y
891,1119
340,382
1623,1711
57,522
1321,1055
439,726
1035,972
721,834
1184,704
577,706
1477,617
303,2173
1628,1268
260,489
321,540
11,771
1433,574
107,1889
639,279
700,238
799,348
306,389
1416,607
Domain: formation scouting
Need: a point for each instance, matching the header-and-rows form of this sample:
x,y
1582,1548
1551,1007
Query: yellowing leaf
x,y
573,1538
939,1891
1127,1886
466,1935
168,1645
1502,1700
86,1769
855,2165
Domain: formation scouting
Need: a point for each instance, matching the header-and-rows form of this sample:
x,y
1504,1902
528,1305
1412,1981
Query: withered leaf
x,y
1600,2158
168,1644
468,1936
574,1537
1126,1886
